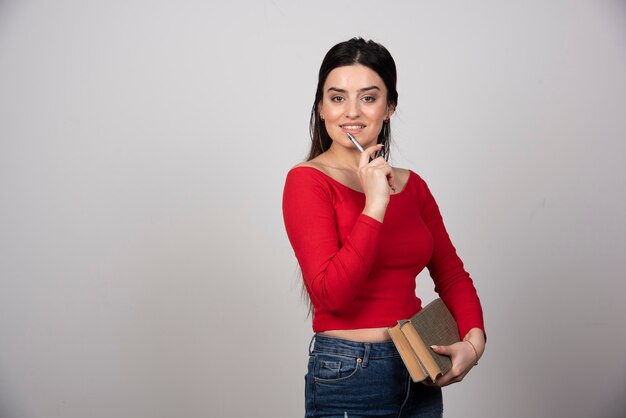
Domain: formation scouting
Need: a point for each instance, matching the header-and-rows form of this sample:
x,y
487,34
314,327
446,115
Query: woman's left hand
x,y
462,355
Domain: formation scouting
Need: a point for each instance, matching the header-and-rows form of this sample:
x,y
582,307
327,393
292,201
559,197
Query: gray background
x,y
144,269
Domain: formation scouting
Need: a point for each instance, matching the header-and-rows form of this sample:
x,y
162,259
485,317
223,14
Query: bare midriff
x,y
365,335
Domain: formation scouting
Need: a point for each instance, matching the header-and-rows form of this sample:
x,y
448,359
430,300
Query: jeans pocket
x,y
331,368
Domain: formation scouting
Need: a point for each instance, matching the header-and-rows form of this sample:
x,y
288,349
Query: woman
x,y
362,231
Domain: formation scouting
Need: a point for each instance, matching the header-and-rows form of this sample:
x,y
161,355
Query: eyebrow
x,y
338,90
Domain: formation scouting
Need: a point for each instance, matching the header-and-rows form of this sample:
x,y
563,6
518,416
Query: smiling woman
x,y
376,67
362,231
349,108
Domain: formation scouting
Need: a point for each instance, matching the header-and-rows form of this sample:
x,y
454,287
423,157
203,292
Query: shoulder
x,y
311,164
408,179
305,172
317,164
305,179
417,178
306,189
412,182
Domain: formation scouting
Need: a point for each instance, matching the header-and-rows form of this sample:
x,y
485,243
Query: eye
x,y
369,99
337,99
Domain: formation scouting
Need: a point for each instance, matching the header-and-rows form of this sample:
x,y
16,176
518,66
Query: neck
x,y
344,157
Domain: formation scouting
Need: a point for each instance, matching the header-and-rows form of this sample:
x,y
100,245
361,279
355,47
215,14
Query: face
x,y
354,101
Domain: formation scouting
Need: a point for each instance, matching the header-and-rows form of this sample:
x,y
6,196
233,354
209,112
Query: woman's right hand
x,y
377,181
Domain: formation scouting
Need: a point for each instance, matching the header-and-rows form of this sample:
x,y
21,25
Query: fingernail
x,y
434,347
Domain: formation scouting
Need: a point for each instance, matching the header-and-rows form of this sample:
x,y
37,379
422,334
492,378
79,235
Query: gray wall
x,y
144,269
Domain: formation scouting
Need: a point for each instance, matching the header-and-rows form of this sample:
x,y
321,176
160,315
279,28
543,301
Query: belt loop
x,y
311,344
366,355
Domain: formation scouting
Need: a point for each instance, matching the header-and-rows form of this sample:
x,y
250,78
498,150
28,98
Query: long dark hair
x,y
355,51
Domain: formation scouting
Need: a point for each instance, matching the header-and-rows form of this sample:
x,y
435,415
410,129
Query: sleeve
x,y
332,273
452,282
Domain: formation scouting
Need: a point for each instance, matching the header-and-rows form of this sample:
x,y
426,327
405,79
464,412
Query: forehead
x,y
353,77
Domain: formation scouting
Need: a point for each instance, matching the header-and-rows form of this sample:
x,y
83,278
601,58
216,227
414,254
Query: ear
x,y
391,109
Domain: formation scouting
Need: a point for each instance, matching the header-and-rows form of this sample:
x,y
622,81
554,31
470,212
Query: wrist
x,y
476,338
375,210
475,351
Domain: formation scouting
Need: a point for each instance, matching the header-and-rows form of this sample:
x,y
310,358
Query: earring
x,y
321,116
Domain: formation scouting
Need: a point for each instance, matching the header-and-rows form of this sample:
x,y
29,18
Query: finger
x,y
368,154
380,162
444,350
447,379
439,383
429,382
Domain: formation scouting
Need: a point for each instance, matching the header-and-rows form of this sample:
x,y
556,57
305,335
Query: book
x,y
432,325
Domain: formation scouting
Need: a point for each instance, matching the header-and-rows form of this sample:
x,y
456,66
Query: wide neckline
x,y
411,175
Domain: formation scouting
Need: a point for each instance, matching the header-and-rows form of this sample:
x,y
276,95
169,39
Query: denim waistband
x,y
364,351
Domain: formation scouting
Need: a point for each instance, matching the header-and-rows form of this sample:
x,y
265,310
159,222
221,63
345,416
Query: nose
x,y
353,109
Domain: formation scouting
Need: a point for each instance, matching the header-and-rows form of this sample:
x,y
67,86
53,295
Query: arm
x,y
452,282
457,290
332,274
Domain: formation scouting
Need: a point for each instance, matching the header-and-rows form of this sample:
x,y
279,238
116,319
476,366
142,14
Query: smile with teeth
x,y
352,127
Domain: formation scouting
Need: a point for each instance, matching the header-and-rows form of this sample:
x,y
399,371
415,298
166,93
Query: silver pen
x,y
355,142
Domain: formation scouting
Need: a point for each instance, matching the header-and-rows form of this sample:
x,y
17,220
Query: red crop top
x,y
360,273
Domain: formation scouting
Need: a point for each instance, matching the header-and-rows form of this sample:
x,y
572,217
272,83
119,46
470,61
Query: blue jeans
x,y
353,379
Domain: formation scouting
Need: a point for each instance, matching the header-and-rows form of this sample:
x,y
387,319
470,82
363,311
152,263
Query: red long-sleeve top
x,y
359,272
